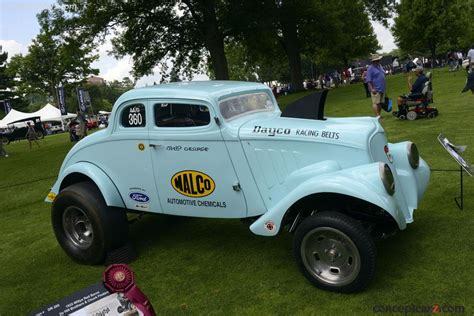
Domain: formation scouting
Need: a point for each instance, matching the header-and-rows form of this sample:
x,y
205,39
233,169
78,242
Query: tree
x,y
157,33
311,27
8,90
430,25
353,35
53,58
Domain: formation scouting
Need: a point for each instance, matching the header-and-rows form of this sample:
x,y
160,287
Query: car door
x,y
125,157
194,174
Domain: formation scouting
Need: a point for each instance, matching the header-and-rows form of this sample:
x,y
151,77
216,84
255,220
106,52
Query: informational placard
x,y
95,300
455,152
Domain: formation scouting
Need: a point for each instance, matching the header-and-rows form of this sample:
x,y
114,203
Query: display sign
x,y
455,152
7,105
116,295
61,100
83,99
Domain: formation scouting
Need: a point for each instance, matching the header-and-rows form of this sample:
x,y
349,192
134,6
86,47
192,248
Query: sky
x,y
18,26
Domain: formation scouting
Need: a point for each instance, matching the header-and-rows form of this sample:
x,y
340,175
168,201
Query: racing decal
x,y
200,203
51,196
139,197
271,131
193,183
270,226
388,153
141,147
187,148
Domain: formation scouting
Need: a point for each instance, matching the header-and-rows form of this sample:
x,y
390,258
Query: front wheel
x,y
334,252
412,115
85,227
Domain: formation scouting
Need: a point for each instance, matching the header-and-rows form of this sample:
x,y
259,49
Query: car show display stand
x,y
459,199
464,166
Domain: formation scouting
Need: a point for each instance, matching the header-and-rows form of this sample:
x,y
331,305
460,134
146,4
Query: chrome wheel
x,y
77,227
330,256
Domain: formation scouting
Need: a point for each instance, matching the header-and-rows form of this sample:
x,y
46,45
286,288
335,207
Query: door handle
x,y
154,145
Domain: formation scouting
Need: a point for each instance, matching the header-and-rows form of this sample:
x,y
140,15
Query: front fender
x,y
362,182
98,176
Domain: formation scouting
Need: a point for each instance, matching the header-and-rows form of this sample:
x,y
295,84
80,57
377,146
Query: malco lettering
x,y
193,183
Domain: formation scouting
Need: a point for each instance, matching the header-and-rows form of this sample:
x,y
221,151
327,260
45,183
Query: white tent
x,y
48,113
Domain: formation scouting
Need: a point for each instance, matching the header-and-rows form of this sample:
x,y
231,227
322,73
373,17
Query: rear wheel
x,y
39,135
431,115
412,115
85,227
334,252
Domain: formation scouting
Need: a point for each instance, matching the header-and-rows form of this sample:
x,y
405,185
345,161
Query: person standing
x,y
469,83
376,82
3,153
31,135
366,85
470,56
81,118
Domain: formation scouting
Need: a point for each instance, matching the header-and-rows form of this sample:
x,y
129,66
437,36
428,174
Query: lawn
x,y
206,266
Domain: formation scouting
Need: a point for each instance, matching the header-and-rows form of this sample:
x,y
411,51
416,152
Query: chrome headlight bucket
x,y
413,155
387,178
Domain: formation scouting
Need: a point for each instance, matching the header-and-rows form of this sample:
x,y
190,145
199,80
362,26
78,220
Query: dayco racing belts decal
x,y
194,184
272,131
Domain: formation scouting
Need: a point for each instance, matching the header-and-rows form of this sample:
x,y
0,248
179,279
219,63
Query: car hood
x,y
351,132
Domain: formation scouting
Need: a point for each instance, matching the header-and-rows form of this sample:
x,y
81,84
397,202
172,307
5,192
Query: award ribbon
x,y
119,278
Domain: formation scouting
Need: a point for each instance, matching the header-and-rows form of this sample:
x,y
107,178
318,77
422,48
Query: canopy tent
x,y
48,113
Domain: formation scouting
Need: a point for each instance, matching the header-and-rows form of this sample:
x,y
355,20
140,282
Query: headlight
x,y
386,176
413,155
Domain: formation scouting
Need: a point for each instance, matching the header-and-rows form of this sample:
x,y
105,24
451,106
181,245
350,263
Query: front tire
x,y
334,252
412,115
85,227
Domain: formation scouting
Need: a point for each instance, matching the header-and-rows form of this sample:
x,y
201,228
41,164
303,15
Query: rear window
x,y
134,116
181,115
245,104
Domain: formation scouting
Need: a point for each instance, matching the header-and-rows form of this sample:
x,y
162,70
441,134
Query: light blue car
x,y
223,149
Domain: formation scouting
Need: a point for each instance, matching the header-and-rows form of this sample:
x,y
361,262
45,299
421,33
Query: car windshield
x,y
245,104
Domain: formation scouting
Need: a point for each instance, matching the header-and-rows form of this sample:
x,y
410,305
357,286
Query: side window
x,y
181,115
134,116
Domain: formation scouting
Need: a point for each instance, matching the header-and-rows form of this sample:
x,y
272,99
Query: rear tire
x,y
85,227
334,252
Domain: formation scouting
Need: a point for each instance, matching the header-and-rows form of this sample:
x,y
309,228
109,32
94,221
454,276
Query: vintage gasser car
x,y
222,149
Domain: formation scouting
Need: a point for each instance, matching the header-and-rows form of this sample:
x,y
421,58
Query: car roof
x,y
202,90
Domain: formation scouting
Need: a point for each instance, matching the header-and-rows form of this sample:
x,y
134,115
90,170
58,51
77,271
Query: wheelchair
x,y
414,106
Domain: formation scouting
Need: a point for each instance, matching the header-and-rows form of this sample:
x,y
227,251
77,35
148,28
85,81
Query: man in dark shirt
x,y
416,89
421,79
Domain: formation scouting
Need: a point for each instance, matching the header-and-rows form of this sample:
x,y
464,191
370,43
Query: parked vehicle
x,y
17,130
223,149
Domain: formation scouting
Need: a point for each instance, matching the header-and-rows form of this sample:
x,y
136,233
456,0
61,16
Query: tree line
x,y
261,40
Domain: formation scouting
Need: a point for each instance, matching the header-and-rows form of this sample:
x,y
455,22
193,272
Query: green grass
x,y
206,266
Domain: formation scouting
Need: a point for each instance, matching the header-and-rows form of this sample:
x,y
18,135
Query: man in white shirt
x,y
470,56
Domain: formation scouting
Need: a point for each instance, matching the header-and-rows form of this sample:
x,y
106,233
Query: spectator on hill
x,y
470,56
469,83
3,153
31,135
366,85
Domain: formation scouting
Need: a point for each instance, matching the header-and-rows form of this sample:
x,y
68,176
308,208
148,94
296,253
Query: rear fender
x,y
362,182
88,171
